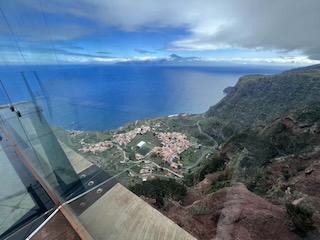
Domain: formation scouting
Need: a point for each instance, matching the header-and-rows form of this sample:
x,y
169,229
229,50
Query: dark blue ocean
x,y
95,97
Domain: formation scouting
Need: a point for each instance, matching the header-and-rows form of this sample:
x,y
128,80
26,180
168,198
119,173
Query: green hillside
x,y
256,99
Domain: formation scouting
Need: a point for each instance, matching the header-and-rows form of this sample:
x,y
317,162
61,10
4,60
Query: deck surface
x,y
120,214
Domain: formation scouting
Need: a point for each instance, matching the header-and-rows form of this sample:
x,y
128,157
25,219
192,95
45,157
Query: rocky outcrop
x,y
233,213
308,181
228,90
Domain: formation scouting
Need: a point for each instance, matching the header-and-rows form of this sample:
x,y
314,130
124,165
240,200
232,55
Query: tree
x,y
160,189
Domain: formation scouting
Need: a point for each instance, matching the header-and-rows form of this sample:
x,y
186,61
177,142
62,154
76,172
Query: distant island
x,y
172,59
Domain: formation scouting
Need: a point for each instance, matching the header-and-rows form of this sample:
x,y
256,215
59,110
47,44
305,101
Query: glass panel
x,y
35,139
15,200
21,197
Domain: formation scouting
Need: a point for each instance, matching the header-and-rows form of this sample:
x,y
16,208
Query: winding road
x,y
206,152
207,135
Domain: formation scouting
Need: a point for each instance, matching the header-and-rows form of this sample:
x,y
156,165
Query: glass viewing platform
x,y
50,191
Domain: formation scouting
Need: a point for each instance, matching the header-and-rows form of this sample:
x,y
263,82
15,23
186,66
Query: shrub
x,y
189,179
160,190
301,219
213,164
198,209
222,182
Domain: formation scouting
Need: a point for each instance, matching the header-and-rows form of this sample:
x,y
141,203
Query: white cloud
x,y
274,24
303,60
297,60
280,25
195,44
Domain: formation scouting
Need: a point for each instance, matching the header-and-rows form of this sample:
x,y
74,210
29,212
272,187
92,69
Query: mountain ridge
x,y
307,68
256,99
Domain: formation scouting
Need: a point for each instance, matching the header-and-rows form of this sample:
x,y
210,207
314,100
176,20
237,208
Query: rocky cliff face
x,y
233,213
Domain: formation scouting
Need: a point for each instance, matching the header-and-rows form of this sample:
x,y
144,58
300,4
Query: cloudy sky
x,y
241,31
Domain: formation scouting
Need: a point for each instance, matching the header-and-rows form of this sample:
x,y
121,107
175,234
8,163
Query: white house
x,y
141,144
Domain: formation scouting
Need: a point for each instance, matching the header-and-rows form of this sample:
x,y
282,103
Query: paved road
x,y
125,158
207,135
162,176
158,166
201,158
169,170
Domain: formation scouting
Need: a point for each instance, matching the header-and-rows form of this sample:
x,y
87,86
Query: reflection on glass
x,y
35,139
15,200
21,197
